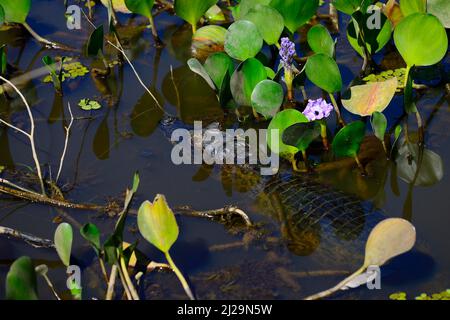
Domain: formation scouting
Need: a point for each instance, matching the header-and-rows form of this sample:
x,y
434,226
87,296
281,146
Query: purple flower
x,y
287,52
317,109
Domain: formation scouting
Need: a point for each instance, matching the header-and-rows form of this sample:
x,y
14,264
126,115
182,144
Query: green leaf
x,y
136,182
350,6
217,66
157,223
413,40
215,14
267,98
301,135
2,16
324,72
243,40
320,41
142,7
63,242
244,80
3,59
260,15
198,68
348,140
371,97
208,40
441,9
89,105
374,39
409,7
91,233
379,125
296,13
95,42
192,10
279,123
246,5
15,11
21,280
411,158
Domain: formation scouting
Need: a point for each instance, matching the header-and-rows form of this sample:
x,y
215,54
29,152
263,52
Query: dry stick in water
x,y
28,238
30,135
65,143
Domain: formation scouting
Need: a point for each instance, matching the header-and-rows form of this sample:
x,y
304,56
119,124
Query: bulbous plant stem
x,y
180,276
323,134
289,80
336,109
417,113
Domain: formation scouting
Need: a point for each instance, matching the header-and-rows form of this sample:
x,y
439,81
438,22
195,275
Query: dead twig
x,y
65,143
28,238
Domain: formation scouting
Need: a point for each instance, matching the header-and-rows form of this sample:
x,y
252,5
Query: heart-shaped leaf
x,y
243,40
348,140
63,242
320,40
324,72
267,98
157,223
277,126
259,15
21,280
244,80
296,13
301,135
15,11
192,10
371,97
413,40
390,238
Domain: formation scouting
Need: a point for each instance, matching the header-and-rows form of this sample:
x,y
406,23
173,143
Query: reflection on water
x,y
315,222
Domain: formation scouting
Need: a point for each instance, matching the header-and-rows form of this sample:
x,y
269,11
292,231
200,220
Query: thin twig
x,y
29,135
11,184
28,238
65,143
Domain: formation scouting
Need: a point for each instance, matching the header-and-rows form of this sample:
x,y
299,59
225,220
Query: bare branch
x,y
66,143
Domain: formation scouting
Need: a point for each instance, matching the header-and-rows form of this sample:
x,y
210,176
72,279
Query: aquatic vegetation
x,y
68,70
63,242
444,295
21,283
192,10
390,238
88,105
387,75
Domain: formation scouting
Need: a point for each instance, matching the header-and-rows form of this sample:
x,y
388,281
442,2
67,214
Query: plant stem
x,y
29,135
194,29
158,41
360,166
338,287
112,281
323,134
336,109
50,285
66,142
44,41
305,159
180,276
130,285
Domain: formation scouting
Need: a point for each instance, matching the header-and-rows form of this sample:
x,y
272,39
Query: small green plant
x,y
88,105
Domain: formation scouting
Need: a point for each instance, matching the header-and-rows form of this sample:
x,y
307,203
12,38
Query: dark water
x,y
124,136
